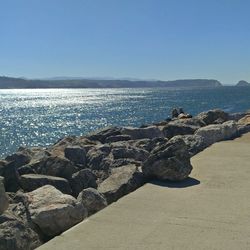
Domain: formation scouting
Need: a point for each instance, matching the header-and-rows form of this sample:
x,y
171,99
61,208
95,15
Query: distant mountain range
x,y
11,82
243,83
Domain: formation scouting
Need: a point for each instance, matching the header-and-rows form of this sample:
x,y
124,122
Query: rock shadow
x,y
177,184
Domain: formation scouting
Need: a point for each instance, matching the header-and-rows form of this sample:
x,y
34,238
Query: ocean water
x,y
39,117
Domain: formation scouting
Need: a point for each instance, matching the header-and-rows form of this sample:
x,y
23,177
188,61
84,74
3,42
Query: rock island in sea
x,y
45,191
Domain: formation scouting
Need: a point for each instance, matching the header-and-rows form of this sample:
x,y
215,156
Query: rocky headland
x,y
45,191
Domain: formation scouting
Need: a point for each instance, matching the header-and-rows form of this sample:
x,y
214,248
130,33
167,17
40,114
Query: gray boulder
x,y
19,158
52,211
85,178
131,152
122,181
75,154
217,132
96,157
16,235
142,133
4,203
92,200
177,128
195,143
169,162
213,116
117,138
26,170
55,166
102,134
30,182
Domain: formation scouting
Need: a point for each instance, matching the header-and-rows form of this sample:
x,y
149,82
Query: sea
x,y
40,117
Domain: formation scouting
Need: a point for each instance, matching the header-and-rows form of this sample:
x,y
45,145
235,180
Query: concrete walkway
x,y
211,210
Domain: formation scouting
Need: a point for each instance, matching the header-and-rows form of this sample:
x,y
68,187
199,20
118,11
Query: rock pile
x,y
43,192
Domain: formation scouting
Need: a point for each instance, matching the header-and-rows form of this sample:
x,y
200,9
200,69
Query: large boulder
x,y
117,138
92,200
217,132
4,203
171,161
11,177
102,134
142,133
213,117
75,154
195,143
52,211
97,157
245,120
19,158
122,181
16,235
85,178
55,166
177,128
30,182
127,151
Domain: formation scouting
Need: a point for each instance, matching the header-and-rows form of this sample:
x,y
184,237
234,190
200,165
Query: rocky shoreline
x,y
45,191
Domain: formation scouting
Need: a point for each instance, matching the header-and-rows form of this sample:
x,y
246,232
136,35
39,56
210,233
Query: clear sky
x,y
147,39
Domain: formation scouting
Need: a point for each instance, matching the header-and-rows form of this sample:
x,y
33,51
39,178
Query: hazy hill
x,y
243,83
10,82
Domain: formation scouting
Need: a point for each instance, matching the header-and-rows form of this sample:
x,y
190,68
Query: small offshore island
x,y
45,191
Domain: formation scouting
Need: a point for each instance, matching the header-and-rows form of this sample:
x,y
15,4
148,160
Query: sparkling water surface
x,y
39,117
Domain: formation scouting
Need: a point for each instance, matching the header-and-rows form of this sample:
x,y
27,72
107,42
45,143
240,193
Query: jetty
x,y
208,210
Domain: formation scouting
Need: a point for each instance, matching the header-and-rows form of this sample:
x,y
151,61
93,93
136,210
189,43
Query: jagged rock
x,y
122,181
96,157
11,176
85,178
26,170
244,120
76,154
103,134
55,166
195,143
30,182
142,133
16,235
150,144
171,161
176,128
236,116
92,200
213,116
117,138
52,211
122,162
19,158
217,132
128,151
4,202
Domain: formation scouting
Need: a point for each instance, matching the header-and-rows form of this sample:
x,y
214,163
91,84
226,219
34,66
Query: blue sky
x,y
148,39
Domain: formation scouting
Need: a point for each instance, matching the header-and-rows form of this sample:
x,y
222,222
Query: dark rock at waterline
x,y
30,182
103,134
92,200
122,181
75,154
169,162
85,178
